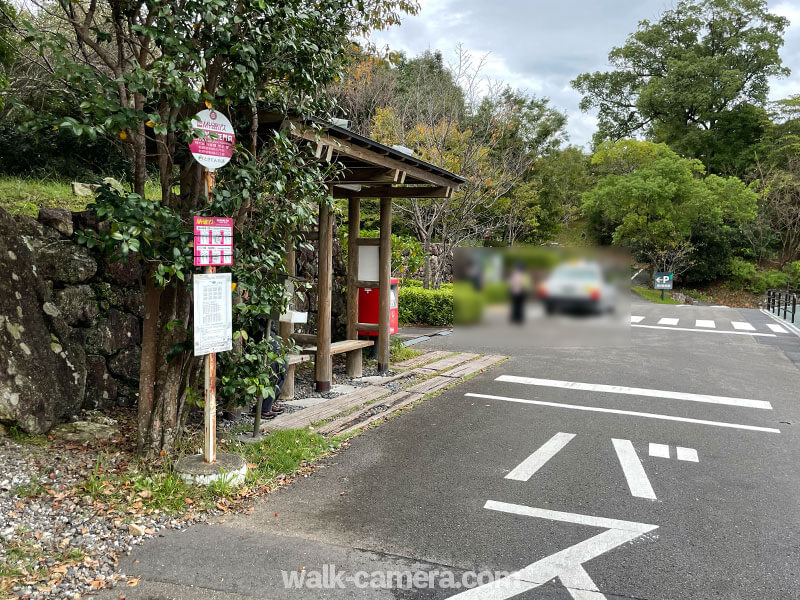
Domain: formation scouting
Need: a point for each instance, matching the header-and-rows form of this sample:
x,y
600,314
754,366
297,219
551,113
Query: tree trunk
x,y
426,272
147,368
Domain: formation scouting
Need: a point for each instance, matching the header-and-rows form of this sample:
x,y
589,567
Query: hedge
x,y
429,307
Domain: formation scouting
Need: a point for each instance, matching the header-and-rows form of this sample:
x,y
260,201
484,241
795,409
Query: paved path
x,y
661,466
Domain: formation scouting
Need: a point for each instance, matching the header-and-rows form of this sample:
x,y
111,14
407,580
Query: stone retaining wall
x,y
70,322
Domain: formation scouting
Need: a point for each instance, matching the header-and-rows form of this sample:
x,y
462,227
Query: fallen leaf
x,y
145,494
188,501
133,582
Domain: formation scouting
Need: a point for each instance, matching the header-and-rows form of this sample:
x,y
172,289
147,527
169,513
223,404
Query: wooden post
x,y
287,329
384,279
209,371
354,359
324,281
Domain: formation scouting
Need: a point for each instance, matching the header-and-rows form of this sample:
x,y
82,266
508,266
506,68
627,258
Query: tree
x,y
451,117
141,70
656,203
694,80
562,177
368,84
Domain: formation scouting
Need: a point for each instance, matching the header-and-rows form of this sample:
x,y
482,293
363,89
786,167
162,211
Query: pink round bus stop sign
x,y
214,148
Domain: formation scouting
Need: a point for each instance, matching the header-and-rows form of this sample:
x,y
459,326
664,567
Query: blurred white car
x,y
578,287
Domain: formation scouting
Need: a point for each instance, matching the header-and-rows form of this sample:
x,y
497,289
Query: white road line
x,y
632,391
705,323
776,328
706,330
632,413
525,470
659,450
565,517
632,467
668,321
742,326
687,454
792,328
636,319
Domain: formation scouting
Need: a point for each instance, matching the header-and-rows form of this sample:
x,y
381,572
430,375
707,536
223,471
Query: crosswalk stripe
x,y
687,454
668,321
659,450
636,319
742,326
705,323
776,328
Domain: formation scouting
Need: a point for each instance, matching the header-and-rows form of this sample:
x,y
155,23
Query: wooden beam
x,y
370,156
389,191
384,277
325,272
367,326
367,284
354,362
367,241
286,329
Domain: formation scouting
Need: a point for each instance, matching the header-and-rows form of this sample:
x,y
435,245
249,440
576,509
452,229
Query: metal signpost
x,y
663,281
213,246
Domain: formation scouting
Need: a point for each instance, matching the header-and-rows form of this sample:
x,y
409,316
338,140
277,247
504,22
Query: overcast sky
x,y
541,45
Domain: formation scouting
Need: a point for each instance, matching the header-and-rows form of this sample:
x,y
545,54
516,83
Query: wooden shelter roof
x,y
371,169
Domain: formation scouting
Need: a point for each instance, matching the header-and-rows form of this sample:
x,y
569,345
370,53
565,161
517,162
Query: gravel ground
x,y
68,541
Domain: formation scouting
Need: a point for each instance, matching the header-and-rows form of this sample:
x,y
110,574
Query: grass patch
x,y
143,488
25,196
654,295
398,352
283,452
697,295
23,437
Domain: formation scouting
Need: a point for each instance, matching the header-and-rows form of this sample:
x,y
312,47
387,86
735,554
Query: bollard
x,y
794,306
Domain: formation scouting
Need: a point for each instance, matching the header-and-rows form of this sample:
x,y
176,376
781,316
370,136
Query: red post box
x,y
368,306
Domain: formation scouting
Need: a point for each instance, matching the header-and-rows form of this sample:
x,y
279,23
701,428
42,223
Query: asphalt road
x,y
683,487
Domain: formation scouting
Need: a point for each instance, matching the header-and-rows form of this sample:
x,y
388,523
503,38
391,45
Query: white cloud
x,y
540,45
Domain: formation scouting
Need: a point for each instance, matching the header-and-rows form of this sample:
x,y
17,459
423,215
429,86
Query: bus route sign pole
x,y
212,150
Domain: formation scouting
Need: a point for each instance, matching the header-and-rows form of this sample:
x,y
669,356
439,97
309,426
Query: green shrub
x,y
468,304
768,280
741,272
793,272
429,307
495,292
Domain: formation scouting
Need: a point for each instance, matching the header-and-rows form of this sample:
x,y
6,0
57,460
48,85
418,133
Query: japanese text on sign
x,y
213,322
215,148
213,241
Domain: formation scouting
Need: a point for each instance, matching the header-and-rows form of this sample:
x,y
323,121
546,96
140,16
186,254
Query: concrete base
x,y
228,467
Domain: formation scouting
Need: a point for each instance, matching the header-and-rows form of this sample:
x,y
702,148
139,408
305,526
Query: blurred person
x,y
518,285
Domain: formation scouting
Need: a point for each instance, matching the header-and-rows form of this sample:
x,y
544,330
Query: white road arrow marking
x,y
566,564
632,467
525,470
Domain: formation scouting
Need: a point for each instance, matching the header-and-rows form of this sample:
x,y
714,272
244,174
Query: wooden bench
x,y
341,347
296,359
310,352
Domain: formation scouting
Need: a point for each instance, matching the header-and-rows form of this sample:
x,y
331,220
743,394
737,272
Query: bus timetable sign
x,y
663,281
213,241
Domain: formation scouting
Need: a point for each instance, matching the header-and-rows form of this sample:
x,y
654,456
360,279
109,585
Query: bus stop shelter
x,y
371,170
